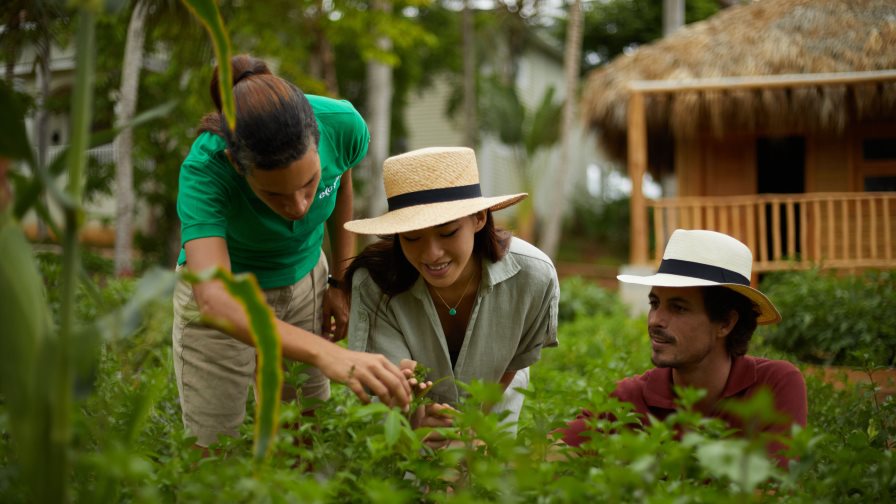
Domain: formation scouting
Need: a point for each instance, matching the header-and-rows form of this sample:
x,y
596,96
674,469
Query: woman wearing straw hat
x,y
444,287
255,199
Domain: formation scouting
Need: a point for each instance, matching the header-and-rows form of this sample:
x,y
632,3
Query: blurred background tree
x,y
327,48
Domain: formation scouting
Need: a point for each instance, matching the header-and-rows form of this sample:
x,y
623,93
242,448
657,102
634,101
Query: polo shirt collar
x,y
493,273
742,376
658,391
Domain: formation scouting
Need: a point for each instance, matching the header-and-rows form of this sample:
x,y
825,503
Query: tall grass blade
x,y
14,142
62,392
269,372
206,11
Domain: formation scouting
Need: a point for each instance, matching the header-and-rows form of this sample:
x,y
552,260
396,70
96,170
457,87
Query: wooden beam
x,y
637,167
764,82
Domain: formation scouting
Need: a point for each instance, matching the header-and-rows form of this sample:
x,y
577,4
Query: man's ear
x,y
728,323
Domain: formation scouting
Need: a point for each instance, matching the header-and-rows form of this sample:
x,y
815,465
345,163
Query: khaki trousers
x,y
214,371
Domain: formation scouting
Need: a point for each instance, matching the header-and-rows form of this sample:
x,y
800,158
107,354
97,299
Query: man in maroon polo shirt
x,y
703,313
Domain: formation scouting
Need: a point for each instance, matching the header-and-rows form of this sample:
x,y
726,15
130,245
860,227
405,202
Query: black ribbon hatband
x,y
434,196
704,271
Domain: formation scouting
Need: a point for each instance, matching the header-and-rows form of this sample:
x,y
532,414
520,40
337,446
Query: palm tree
x,y
525,130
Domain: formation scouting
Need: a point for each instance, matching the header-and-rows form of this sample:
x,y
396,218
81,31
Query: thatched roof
x,y
765,37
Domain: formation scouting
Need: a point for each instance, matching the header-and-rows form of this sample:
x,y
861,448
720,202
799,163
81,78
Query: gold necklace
x,y
453,311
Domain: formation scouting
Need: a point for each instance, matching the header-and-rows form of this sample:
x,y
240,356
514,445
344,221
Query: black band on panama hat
x,y
428,196
699,258
700,270
428,187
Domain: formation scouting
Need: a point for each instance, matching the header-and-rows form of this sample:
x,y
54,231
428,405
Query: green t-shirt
x,y
215,200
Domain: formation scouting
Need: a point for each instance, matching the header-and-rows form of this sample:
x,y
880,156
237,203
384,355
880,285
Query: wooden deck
x,y
789,231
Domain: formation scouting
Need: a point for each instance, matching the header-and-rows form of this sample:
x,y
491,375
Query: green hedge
x,y
582,298
831,319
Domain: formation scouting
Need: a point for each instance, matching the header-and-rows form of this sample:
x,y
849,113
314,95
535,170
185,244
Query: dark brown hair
x,y
719,302
394,274
275,124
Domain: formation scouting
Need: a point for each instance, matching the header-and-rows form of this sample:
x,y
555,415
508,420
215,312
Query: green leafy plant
x,y
46,357
831,319
581,298
104,426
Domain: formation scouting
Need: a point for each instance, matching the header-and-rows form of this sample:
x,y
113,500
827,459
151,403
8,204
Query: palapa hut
x,y
774,121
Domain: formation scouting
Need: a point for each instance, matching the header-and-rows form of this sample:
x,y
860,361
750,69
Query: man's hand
x,y
335,314
359,370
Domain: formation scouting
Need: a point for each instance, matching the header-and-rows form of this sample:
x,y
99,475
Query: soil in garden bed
x,y
842,376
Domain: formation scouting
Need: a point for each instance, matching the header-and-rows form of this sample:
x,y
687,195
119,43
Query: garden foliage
x,y
129,443
89,408
834,319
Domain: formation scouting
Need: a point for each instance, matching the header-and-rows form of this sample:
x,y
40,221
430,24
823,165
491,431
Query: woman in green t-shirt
x,y
255,199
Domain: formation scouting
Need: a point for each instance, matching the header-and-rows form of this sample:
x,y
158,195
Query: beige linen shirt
x,y
514,316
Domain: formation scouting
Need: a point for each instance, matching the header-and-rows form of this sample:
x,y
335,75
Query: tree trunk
x,y
572,57
379,107
124,143
673,16
468,35
323,62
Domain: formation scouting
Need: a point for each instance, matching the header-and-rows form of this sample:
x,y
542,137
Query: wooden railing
x,y
785,231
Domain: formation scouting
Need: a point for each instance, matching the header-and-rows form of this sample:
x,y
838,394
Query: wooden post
x,y
888,246
659,230
872,210
637,167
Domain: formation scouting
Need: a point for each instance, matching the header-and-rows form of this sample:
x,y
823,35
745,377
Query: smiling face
x,y
288,191
442,253
681,334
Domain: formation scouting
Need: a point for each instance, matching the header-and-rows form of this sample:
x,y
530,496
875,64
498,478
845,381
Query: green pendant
x,y
452,312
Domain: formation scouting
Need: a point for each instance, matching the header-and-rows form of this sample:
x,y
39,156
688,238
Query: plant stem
x,y
77,157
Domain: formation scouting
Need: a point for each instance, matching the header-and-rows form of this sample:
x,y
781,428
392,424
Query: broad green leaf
x,y
14,142
206,11
24,364
734,459
757,411
392,427
155,284
269,373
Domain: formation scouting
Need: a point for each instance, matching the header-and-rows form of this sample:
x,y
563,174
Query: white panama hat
x,y
428,187
699,258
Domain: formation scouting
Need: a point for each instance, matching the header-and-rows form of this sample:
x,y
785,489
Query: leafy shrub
x,y
130,445
579,297
602,222
832,319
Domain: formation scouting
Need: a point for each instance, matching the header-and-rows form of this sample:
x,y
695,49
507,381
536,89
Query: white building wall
x,y
499,166
427,120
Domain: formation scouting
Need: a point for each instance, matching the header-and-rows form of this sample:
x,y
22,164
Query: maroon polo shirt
x,y
651,393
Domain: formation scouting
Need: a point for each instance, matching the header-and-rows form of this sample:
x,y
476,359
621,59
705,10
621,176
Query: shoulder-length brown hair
x,y
394,274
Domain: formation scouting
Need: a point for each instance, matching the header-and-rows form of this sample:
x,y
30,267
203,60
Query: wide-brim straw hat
x,y
428,187
699,258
